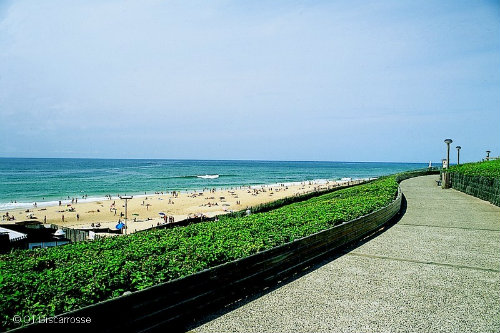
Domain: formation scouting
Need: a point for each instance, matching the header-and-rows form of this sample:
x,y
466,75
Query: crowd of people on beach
x,y
7,217
209,201
168,219
209,204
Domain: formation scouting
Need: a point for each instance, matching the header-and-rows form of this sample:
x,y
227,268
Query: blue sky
x,y
277,80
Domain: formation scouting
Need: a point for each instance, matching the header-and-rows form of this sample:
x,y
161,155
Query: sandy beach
x,y
143,210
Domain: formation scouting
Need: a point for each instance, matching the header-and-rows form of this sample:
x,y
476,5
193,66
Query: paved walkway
x,y
436,270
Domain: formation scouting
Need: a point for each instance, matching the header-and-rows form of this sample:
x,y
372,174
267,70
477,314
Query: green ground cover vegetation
x,y
489,169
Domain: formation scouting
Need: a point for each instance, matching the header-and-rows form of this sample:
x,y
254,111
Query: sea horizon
x,y
205,159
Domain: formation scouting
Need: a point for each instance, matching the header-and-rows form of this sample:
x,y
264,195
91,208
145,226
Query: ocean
x,y
24,181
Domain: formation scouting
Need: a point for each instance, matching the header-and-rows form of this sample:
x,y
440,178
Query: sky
x,y
266,80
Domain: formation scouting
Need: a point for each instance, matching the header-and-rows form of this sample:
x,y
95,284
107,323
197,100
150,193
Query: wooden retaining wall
x,y
170,306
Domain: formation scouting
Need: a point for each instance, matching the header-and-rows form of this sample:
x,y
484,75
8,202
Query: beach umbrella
x,y
161,213
120,225
59,233
135,214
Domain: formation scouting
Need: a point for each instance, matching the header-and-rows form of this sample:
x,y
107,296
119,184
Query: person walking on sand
x,y
78,217
62,217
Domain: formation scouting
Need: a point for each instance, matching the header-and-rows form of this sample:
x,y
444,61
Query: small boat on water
x,y
208,176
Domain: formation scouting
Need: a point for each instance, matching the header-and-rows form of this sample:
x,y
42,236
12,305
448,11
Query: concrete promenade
x,y
436,270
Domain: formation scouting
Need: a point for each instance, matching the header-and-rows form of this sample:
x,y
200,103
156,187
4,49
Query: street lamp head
x,y
458,147
126,197
448,141
488,151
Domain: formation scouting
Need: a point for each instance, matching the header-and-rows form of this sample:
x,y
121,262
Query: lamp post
x,y
458,155
126,198
448,141
488,155
446,177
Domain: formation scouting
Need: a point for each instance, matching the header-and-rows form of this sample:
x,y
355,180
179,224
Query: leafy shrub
x,y
488,169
